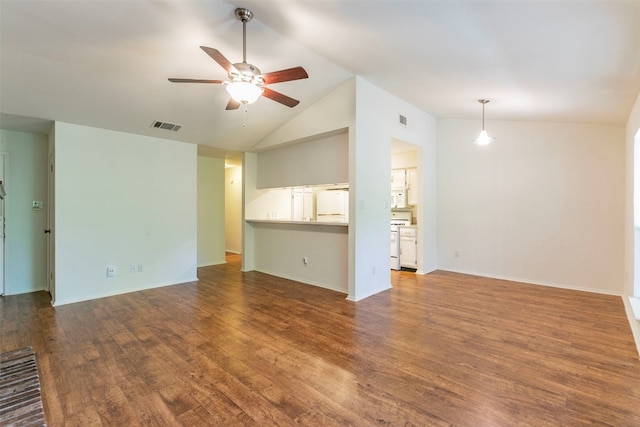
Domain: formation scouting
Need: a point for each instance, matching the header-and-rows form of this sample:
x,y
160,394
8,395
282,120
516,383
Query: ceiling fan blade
x,y
174,80
278,97
295,73
220,59
232,104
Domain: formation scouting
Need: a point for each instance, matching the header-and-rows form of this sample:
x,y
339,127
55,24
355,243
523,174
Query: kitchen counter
x,y
310,223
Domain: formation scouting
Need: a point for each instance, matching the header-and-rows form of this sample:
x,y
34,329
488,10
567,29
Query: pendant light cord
x,y
483,115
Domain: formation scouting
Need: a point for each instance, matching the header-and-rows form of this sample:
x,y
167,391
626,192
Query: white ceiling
x,y
105,63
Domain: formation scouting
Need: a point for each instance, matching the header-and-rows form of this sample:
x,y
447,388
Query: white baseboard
x,y
533,282
635,306
306,282
368,294
634,322
210,263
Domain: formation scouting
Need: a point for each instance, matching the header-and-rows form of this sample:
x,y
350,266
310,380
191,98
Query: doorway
x,y
406,194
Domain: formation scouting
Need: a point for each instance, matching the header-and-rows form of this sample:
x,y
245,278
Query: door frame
x,y
51,253
4,167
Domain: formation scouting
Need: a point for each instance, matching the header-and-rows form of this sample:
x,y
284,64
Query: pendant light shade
x,y
483,138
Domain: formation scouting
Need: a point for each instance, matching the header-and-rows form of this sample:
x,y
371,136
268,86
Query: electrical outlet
x,y
134,268
111,271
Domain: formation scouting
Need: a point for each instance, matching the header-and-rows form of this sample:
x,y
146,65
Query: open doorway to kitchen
x,y
405,209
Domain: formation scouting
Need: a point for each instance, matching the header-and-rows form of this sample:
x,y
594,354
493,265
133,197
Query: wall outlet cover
x,y
111,271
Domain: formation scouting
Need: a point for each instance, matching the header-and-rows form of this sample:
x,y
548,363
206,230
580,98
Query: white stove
x,y
398,219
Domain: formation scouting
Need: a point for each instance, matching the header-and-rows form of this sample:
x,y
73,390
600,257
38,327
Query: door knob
x,y
47,231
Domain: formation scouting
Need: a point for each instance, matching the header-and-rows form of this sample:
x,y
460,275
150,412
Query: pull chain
x,y
244,116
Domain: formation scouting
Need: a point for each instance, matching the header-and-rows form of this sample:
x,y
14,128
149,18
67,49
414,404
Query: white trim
x,y
635,306
634,323
369,294
423,272
303,281
58,303
533,282
211,263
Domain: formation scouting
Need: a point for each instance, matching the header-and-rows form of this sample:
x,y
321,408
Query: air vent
x,y
167,126
403,120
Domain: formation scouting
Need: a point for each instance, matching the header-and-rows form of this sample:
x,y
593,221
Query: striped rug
x,y
20,402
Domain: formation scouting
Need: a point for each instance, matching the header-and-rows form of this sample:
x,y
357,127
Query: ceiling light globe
x,y
244,92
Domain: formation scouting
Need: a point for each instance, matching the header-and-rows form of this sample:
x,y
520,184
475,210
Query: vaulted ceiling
x,y
105,63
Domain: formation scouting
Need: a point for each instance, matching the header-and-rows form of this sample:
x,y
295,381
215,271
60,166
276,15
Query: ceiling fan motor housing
x,y
246,73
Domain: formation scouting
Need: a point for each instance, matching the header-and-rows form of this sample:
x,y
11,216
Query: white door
x,y
2,162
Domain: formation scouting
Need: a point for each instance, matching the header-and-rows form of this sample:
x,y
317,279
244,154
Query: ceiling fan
x,y
246,84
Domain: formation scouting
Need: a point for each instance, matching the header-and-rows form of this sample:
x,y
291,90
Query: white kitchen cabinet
x,y
412,186
408,247
398,178
302,205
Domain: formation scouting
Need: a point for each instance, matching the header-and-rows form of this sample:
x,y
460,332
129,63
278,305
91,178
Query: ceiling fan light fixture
x,y
483,138
244,92
246,82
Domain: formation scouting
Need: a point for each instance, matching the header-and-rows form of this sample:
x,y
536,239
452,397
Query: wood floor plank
x,y
249,349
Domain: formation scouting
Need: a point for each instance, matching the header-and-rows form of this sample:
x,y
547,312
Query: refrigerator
x,y
332,206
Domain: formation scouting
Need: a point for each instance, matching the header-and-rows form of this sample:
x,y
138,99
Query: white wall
x,y
233,209
377,125
372,119
321,160
25,181
333,112
122,199
280,249
543,204
211,211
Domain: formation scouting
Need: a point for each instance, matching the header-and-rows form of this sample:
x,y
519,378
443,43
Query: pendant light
x,y
483,138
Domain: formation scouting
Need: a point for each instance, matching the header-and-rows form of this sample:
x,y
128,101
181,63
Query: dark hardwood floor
x,y
248,349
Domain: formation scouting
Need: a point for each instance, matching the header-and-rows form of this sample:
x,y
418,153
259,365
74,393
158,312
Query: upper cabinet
x,y
406,179
412,186
398,179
